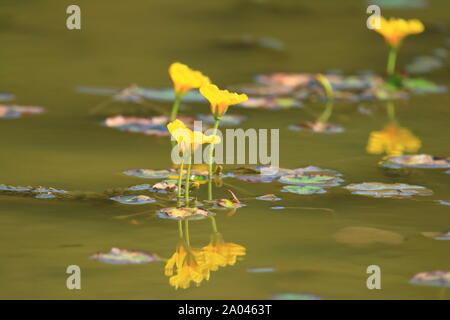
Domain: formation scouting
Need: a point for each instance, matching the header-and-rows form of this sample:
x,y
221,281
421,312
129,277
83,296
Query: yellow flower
x,y
394,30
220,100
187,139
392,140
185,79
186,265
219,253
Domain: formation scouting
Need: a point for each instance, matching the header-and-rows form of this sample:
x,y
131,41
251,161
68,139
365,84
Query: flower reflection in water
x,y
393,140
189,264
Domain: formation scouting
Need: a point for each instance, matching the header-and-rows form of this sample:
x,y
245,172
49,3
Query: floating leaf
x,y
256,178
260,270
268,197
317,127
432,278
45,196
6,96
295,296
271,103
48,190
262,90
140,199
416,161
437,235
360,236
168,95
248,41
277,208
444,202
420,85
285,79
317,179
400,4
183,213
4,187
229,204
386,190
124,256
140,187
148,173
226,120
424,64
14,111
303,190
166,185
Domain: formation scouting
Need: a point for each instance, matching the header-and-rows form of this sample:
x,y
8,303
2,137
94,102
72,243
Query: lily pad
x,y
424,64
400,4
226,120
6,96
262,90
423,161
361,236
140,199
48,190
277,208
148,173
124,256
45,196
140,187
386,190
165,185
285,79
14,111
168,95
317,127
317,179
268,197
420,85
303,190
432,278
444,202
256,178
295,296
183,213
273,103
4,187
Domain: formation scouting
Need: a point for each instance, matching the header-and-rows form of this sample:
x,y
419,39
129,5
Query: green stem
x,y
188,240
188,178
180,229
327,112
391,111
210,159
214,224
180,177
175,107
392,57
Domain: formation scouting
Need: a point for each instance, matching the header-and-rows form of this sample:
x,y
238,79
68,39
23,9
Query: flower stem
x,y
210,159
175,107
188,240
327,112
180,177
392,57
214,224
180,229
391,111
188,178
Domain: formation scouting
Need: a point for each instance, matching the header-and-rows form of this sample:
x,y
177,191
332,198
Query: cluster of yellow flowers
x,y
393,140
194,265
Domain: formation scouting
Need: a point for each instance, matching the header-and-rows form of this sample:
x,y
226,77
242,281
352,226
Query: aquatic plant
x,y
394,31
184,79
188,141
219,100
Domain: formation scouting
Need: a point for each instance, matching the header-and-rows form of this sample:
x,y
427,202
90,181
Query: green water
x,y
124,42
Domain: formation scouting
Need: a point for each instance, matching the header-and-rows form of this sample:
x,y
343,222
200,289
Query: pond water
x,y
300,244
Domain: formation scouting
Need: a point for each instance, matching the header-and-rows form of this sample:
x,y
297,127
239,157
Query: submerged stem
x,y
390,108
210,159
214,224
188,178
180,229
180,176
188,240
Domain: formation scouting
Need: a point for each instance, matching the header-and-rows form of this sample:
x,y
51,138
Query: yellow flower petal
x,y
185,79
395,30
220,100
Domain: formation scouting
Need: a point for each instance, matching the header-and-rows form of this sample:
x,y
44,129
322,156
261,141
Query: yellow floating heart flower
x,y
219,253
220,100
395,30
185,79
187,139
393,140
